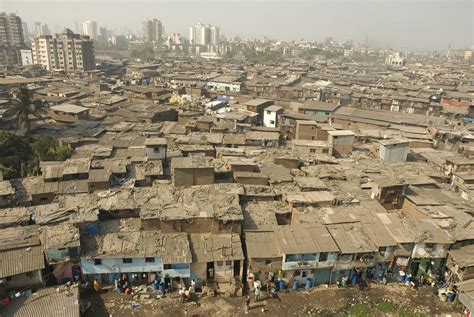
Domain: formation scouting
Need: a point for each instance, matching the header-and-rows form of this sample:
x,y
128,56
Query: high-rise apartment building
x,y
11,30
66,51
204,34
37,29
89,28
215,34
11,39
24,26
152,30
45,29
41,29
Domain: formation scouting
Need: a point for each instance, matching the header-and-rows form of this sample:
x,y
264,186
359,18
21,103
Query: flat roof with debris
x,y
69,108
210,247
170,247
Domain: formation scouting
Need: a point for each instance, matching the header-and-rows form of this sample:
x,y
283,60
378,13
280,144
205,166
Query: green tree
x,y
20,157
25,105
47,148
16,155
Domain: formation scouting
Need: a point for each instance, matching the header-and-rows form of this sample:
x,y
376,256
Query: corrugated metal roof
x,y
261,244
22,260
47,302
352,238
302,239
18,237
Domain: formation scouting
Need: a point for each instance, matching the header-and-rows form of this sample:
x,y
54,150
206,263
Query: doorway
x,y
210,271
237,268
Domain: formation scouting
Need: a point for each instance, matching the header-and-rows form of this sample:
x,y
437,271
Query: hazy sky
x,y
406,25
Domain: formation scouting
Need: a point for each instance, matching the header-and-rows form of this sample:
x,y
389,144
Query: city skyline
x,y
386,23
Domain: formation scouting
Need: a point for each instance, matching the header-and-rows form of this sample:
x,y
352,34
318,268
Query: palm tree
x,y
25,105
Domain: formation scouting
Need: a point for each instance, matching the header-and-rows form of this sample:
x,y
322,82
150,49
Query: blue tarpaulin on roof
x,y
467,119
223,98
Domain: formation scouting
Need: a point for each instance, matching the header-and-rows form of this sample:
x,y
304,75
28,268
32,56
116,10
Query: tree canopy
x,y
20,157
24,106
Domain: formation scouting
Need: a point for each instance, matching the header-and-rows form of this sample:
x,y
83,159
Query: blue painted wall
x,y
291,261
115,265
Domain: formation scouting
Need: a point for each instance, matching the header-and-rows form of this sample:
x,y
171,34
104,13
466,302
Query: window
x,y
97,261
127,260
269,112
323,257
382,250
312,150
167,266
149,260
268,262
228,263
220,263
345,257
272,121
325,150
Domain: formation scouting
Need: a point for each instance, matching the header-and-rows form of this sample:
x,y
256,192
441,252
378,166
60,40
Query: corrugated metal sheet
x,y
22,260
48,302
261,244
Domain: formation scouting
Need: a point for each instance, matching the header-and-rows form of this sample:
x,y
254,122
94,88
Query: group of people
x,y
183,294
122,285
257,286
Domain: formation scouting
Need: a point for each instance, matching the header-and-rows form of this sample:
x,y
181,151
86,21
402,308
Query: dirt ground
x,y
377,300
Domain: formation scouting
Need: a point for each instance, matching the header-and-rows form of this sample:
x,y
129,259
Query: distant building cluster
x,y
204,34
395,59
41,29
152,31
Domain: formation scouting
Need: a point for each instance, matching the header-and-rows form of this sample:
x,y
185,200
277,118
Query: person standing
x,y
181,295
247,304
257,294
96,286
